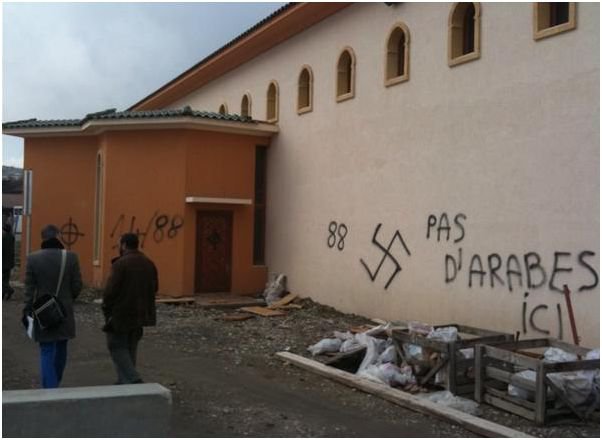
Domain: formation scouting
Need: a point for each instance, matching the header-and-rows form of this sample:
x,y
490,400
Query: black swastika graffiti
x,y
386,255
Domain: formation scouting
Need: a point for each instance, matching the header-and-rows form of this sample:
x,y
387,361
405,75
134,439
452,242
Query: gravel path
x,y
226,380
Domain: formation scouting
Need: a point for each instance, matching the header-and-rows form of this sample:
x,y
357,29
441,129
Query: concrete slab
x,y
142,410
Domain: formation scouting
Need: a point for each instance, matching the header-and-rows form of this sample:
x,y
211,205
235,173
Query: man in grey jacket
x,y
42,277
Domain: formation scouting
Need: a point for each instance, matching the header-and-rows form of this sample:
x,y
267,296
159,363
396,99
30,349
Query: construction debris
x,y
263,311
283,301
446,398
275,288
237,317
170,300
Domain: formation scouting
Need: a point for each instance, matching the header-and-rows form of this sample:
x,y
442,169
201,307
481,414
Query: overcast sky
x,y
66,60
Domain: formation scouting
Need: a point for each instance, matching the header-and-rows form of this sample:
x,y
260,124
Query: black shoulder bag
x,y
47,309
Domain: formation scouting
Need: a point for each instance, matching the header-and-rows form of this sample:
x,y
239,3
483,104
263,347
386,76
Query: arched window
x,y
98,209
346,75
464,33
272,102
223,109
398,55
553,18
305,92
245,105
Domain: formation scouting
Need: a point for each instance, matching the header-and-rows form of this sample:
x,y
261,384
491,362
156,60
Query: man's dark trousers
x,y
123,346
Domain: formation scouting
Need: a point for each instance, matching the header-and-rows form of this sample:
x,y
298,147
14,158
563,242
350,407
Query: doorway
x,y
213,272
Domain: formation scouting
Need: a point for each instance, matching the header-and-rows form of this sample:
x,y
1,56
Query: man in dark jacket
x,y
41,277
129,305
8,259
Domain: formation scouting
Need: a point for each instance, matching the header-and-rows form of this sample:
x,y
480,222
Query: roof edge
x,y
284,23
95,127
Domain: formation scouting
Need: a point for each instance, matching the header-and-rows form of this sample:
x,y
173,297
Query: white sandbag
x,y
593,354
553,354
413,352
275,288
374,348
408,374
444,334
522,393
389,374
343,336
577,385
349,345
389,355
330,345
467,353
419,328
447,399
378,329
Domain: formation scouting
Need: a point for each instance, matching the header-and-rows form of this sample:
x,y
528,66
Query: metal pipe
x,y
569,307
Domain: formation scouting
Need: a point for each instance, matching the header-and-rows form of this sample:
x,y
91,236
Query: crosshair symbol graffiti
x,y
70,233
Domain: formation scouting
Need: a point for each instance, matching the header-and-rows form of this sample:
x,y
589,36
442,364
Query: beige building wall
x,y
506,147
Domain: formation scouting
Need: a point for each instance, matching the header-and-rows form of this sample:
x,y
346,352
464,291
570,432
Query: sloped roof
x,y
230,43
112,114
282,24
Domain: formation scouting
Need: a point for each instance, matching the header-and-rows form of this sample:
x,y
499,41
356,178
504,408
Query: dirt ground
x,y
226,381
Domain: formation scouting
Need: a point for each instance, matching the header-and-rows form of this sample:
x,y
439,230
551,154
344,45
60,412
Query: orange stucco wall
x,y
223,166
147,176
63,189
144,183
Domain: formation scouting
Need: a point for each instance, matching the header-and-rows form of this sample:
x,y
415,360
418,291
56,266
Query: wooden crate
x,y
458,378
495,368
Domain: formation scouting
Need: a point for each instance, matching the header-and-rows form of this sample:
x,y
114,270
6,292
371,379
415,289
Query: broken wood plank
x,y
440,364
288,307
227,300
168,300
284,301
263,311
237,317
361,328
472,423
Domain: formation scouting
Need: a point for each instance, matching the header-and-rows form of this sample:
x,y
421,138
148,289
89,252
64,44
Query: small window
x,y
346,75
464,33
398,55
306,86
553,18
245,106
272,102
223,109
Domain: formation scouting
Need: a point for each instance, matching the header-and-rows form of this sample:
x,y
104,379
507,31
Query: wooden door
x,y
214,251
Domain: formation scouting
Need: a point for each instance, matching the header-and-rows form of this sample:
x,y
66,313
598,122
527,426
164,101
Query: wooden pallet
x,y
495,368
458,380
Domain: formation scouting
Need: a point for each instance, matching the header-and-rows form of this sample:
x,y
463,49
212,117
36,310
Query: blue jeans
x,y
53,358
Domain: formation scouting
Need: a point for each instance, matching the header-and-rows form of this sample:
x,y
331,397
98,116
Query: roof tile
x,y
112,114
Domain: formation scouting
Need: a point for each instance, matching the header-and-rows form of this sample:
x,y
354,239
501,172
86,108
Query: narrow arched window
x,y
398,55
464,36
272,102
98,209
223,109
245,106
346,75
553,18
305,90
